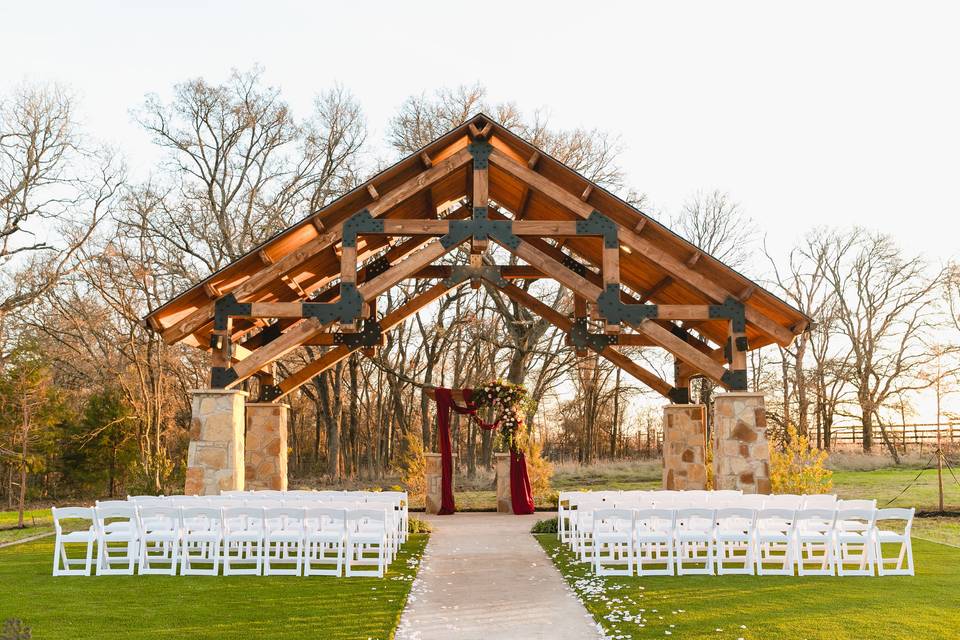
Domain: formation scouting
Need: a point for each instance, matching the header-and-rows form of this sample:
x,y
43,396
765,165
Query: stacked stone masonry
x,y
215,456
684,447
741,457
433,471
504,501
265,455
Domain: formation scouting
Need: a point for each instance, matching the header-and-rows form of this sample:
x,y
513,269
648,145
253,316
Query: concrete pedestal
x,y
265,454
433,470
215,458
684,446
504,501
741,457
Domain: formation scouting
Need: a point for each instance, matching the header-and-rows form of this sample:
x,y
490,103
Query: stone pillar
x,y
684,446
433,470
215,457
741,459
265,455
504,501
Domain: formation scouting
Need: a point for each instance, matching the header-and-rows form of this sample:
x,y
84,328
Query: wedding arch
x,y
633,283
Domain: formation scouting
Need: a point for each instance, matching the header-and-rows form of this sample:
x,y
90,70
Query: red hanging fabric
x,y
520,494
445,402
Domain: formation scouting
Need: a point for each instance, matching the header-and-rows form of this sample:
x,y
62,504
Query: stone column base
x,y
265,454
684,447
215,457
433,471
741,457
502,465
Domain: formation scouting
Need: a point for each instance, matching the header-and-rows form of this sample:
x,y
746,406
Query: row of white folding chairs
x,y
246,540
581,505
844,541
570,503
396,499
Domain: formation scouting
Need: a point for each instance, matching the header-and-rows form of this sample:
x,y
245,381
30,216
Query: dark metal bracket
x,y
480,151
736,380
583,339
227,306
269,393
491,274
732,310
481,228
679,395
369,336
345,310
376,267
360,222
598,224
220,377
614,310
574,265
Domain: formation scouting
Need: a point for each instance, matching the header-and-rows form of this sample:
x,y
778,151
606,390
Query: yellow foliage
x,y
799,468
539,469
412,465
709,464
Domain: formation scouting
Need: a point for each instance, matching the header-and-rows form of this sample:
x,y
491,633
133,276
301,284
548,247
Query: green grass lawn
x,y
774,607
198,606
37,521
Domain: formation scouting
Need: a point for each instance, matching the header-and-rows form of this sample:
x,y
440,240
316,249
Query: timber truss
x,y
318,282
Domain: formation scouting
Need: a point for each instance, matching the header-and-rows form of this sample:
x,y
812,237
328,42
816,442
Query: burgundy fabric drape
x,y
520,494
521,497
445,402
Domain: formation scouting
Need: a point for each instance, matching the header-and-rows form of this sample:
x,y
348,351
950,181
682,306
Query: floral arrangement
x,y
508,403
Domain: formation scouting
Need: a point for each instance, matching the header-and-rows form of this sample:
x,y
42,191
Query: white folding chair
x,y
820,501
783,501
853,542
856,504
883,535
367,543
117,537
613,532
243,541
283,541
694,545
324,541
813,533
563,510
774,542
655,531
734,541
159,533
393,518
202,534
85,533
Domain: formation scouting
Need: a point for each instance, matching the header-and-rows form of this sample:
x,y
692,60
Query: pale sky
x,y
814,113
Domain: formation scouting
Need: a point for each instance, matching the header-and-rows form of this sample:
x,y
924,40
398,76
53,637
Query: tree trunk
x,y
23,462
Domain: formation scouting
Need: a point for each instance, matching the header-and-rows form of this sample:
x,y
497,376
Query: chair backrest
x,y
819,520
904,515
751,501
843,505
784,501
112,503
237,519
322,518
824,501
71,513
284,518
617,519
201,518
856,519
141,500
159,518
736,517
775,519
367,518
695,519
656,519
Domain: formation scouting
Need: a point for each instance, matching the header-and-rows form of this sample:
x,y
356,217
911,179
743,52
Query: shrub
x,y
411,465
799,468
416,525
545,526
539,469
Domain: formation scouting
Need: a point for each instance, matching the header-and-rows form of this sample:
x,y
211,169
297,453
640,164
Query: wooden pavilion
x,y
634,282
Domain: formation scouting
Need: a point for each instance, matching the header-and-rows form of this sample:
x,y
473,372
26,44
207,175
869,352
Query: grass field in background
x,y
197,607
767,607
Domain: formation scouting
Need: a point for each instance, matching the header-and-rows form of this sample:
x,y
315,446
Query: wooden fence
x,y
904,435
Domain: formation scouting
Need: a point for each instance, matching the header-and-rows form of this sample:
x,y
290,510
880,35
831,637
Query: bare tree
x,y
886,307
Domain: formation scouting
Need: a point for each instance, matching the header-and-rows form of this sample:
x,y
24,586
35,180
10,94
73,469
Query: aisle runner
x,y
484,576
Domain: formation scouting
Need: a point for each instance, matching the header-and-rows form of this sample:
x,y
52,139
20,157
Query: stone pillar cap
x,y
689,404
267,404
218,391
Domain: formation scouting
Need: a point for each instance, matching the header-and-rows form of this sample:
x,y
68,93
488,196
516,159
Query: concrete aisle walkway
x,y
485,577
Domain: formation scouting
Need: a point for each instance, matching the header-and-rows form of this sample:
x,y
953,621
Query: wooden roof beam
x,y
647,248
